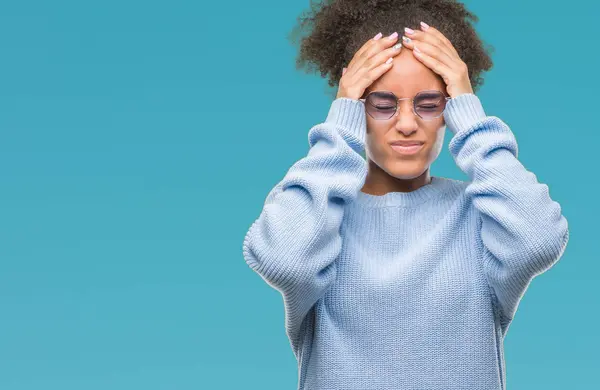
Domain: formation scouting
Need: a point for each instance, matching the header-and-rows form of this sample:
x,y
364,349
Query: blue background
x,y
135,153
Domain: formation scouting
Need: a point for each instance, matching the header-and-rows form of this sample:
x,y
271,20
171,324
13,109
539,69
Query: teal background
x,y
135,154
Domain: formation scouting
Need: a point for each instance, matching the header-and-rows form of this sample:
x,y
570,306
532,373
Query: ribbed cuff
x,y
463,111
349,114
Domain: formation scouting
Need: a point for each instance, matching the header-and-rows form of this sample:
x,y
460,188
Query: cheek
x,y
437,143
375,141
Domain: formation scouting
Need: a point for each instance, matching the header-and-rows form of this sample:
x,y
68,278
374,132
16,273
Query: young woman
x,y
393,278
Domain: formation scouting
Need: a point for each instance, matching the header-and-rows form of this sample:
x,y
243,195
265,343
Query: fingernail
x,y
343,70
393,35
398,46
379,35
409,30
406,39
424,25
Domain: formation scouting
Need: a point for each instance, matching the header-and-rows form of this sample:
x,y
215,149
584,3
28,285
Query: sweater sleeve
x,y
294,242
522,230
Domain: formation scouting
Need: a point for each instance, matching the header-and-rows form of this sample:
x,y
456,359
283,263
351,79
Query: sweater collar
x,y
437,187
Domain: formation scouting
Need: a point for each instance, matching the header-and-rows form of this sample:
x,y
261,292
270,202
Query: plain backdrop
x,y
139,139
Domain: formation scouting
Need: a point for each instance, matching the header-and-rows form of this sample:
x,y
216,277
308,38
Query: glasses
x,y
427,105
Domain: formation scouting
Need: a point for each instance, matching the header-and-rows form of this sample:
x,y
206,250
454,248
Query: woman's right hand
x,y
372,60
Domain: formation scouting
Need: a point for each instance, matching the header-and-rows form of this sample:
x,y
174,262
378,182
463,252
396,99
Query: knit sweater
x,y
407,290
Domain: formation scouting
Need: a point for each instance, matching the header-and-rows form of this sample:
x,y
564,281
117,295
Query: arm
x,y
522,229
295,241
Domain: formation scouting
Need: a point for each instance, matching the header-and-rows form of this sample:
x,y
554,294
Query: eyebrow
x,y
421,90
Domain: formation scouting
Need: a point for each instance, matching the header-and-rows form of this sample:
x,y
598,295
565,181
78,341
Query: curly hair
x,y
331,32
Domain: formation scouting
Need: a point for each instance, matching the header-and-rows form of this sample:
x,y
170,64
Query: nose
x,y
406,119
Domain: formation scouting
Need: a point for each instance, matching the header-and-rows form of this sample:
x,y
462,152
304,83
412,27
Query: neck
x,y
379,182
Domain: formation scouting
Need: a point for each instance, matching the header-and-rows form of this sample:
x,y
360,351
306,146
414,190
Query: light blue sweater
x,y
408,290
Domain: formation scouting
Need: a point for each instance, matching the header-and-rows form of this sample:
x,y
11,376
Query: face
x,y
405,79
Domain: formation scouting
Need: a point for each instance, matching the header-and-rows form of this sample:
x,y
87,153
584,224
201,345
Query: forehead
x,y
407,76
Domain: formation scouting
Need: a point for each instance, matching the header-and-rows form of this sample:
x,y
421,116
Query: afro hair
x,y
331,31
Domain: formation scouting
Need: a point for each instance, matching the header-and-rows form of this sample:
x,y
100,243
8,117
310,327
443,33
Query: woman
x,y
393,278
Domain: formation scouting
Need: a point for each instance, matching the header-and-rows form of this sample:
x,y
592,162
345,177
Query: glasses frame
x,y
412,99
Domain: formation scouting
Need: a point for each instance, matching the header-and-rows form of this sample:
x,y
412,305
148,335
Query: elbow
x,y
249,256
279,265
554,230
548,249
560,244
557,240
258,258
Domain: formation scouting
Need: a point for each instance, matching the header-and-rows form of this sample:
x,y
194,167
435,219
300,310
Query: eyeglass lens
x,y
427,104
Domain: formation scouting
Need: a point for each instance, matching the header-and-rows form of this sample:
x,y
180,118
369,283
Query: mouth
x,y
407,149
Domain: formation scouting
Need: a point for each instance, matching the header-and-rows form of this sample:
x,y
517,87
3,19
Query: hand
x,y
370,61
437,53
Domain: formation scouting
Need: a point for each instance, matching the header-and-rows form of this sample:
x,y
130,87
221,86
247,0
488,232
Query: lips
x,y
407,143
407,149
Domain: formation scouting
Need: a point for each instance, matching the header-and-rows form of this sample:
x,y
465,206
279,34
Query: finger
x,y
420,36
371,51
379,58
374,62
434,64
362,49
374,67
433,51
373,74
441,37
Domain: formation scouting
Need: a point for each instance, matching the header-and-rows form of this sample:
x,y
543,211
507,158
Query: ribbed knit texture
x,y
408,290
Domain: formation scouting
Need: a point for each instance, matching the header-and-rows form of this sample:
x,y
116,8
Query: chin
x,y
406,176
405,170
404,167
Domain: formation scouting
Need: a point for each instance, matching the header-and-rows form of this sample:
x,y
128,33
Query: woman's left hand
x,y
434,50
